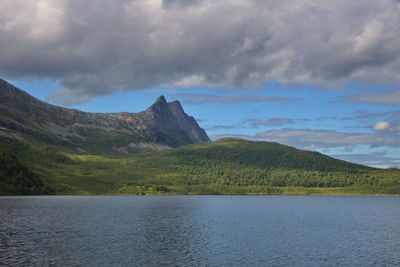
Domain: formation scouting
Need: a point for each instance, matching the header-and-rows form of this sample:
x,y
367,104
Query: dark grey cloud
x,y
99,47
231,99
179,3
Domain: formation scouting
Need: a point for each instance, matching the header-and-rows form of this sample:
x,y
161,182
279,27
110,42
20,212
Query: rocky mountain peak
x,y
159,106
161,99
175,107
163,124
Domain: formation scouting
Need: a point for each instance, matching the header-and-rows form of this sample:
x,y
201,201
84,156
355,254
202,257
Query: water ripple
x,y
200,231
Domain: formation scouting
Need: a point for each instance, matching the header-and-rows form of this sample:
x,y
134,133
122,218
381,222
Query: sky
x,y
319,75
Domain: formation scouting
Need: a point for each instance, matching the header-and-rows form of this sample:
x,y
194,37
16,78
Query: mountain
x,y
163,125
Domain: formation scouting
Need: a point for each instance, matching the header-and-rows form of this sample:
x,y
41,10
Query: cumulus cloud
x,y
389,121
381,126
388,127
99,47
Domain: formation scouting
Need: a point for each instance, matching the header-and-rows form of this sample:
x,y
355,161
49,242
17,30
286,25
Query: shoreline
x,y
194,194
212,189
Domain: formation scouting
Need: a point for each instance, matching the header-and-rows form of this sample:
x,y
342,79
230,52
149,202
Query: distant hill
x,y
163,125
266,155
226,166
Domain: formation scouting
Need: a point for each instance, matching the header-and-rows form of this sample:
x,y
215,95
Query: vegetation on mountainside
x,y
228,166
15,178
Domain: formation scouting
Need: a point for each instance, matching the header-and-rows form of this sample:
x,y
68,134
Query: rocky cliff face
x,y
162,125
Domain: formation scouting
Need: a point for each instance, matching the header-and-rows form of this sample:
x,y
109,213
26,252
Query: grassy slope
x,y
228,166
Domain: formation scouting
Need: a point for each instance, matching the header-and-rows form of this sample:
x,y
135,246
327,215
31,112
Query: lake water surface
x,y
200,231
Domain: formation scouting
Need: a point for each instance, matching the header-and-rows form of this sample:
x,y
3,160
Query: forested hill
x,y
226,166
266,155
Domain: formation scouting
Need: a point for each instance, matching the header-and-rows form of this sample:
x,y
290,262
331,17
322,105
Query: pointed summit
x,y
159,106
161,99
169,123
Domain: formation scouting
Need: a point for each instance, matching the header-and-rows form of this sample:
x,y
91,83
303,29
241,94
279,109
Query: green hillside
x,y
227,166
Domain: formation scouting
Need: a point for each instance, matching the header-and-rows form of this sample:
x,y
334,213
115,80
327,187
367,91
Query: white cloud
x,y
381,126
190,81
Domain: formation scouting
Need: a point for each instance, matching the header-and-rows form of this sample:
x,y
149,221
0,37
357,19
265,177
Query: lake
x,y
200,231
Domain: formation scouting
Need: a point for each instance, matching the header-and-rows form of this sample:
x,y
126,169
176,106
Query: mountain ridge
x,y
162,125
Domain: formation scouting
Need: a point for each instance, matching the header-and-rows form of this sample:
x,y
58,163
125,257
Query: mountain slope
x,y
16,178
223,166
161,126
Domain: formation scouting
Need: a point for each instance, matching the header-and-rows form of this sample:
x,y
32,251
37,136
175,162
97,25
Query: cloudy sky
x,y
316,74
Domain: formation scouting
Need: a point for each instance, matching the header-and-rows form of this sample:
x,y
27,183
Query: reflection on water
x,y
199,230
